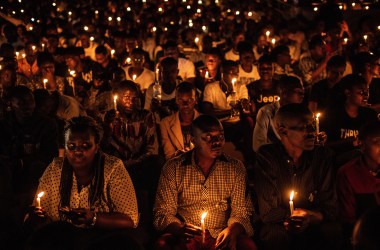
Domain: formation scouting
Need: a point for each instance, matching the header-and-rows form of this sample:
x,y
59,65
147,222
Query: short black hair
x,y
291,111
170,44
369,129
244,46
101,49
265,59
351,80
185,87
228,64
316,40
83,124
205,123
289,83
279,50
169,62
128,84
215,52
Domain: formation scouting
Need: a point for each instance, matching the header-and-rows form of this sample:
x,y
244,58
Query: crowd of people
x,y
114,117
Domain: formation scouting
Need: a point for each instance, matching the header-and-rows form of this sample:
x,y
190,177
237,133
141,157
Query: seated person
x,y
130,132
143,76
163,104
87,188
358,181
324,91
290,90
247,69
204,180
365,234
211,71
263,91
219,96
342,121
282,61
176,128
295,163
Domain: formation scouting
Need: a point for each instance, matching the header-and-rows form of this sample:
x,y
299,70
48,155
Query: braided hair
x,y
84,124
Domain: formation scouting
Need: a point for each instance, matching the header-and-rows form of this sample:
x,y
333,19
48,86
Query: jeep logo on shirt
x,y
268,99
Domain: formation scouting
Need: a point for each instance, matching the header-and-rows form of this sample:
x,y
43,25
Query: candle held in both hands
x,y
203,227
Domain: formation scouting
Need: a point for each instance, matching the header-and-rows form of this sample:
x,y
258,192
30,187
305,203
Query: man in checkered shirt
x,y
204,180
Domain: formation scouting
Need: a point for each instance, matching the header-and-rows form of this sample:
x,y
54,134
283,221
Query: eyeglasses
x,y
304,128
213,138
84,147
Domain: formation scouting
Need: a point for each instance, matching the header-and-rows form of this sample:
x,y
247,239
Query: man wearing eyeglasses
x,y
204,180
296,164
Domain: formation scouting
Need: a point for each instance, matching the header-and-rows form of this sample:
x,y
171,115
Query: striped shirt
x,y
184,193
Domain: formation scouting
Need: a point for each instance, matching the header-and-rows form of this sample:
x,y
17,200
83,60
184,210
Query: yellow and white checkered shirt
x,y
184,193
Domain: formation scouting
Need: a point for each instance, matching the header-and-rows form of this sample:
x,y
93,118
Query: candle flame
x,y
317,115
129,60
207,74
234,81
291,195
273,41
365,37
72,72
134,77
204,216
157,71
115,98
40,194
267,33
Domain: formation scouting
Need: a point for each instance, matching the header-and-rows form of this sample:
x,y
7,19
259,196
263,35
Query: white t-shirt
x,y
230,55
214,94
146,78
248,77
186,68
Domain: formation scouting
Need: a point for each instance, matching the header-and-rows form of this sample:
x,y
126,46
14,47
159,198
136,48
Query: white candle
x,y
291,203
72,73
207,75
157,74
233,84
274,41
317,122
115,102
196,40
365,38
129,60
39,199
112,53
267,33
203,227
134,77
345,40
45,82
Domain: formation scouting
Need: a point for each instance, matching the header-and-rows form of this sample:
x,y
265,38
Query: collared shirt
x,y
184,193
276,176
215,95
307,65
118,190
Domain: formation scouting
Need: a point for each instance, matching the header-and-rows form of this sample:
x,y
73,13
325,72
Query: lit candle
x,y
115,102
23,55
157,74
207,75
233,84
43,46
33,47
317,122
129,60
39,199
196,40
291,202
267,33
365,38
112,53
345,40
203,227
45,82
72,74
274,41
134,77
17,54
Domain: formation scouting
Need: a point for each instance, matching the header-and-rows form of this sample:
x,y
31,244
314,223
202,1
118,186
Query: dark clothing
x,y
262,96
321,94
358,190
338,125
374,91
83,80
29,148
107,73
276,175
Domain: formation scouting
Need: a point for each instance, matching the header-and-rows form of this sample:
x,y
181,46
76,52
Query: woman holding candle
x,y
87,187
